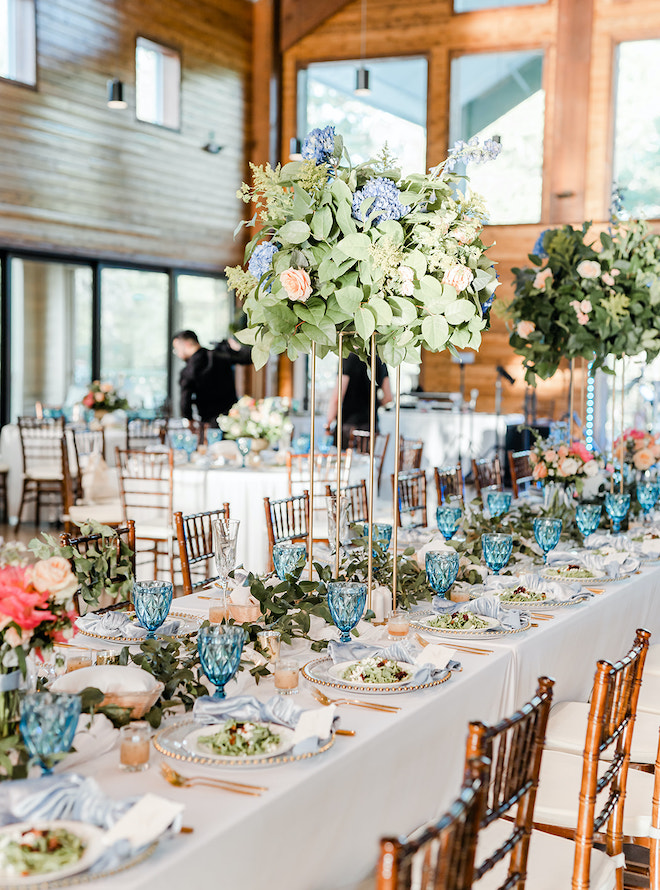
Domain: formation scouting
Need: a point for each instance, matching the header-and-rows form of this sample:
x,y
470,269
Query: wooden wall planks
x,y
80,178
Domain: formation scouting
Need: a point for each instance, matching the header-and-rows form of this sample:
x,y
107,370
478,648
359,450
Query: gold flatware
x,y
186,829
538,617
180,781
356,702
458,646
344,732
595,589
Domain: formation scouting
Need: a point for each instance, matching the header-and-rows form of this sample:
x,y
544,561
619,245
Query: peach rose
x,y
525,328
588,269
643,459
541,278
54,576
106,387
607,279
459,277
296,283
14,638
551,455
99,397
562,452
540,471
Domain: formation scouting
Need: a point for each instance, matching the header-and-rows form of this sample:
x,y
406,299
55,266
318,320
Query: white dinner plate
x,y
191,742
493,627
91,835
592,579
337,670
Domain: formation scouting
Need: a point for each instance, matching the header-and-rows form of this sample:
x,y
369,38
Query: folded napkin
x,y
309,731
94,736
118,624
611,565
487,607
564,557
605,540
405,651
107,678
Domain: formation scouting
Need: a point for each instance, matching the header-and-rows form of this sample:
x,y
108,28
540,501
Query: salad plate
x,y
376,672
522,597
190,624
319,671
47,850
465,625
575,573
239,739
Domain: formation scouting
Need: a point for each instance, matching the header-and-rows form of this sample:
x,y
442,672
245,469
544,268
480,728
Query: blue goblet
x,y
547,533
289,560
244,444
448,518
587,517
48,725
346,601
220,647
326,444
647,495
498,503
189,444
617,506
497,550
213,436
177,439
301,444
441,570
152,601
381,536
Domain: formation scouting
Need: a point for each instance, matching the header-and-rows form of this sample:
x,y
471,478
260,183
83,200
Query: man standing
x,y
207,380
356,392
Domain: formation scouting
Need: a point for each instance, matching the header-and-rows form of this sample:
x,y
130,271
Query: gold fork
x,y
460,648
180,781
373,706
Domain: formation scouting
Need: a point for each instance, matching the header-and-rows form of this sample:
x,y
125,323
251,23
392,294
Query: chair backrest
x,y
358,502
194,534
145,433
411,499
146,485
487,474
124,535
359,442
410,454
41,443
448,483
439,856
512,749
521,471
325,471
287,519
85,442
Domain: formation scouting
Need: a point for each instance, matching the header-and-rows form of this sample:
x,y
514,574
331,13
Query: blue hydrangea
x,y
319,144
538,249
261,260
386,203
471,150
489,302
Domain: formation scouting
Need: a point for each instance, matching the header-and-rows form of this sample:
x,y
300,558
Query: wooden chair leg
x,y
37,505
24,494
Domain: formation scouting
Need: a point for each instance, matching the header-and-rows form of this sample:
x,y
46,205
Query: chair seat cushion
x,y
44,475
549,864
153,532
567,729
559,787
108,513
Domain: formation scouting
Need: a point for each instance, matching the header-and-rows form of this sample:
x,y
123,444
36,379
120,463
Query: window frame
x,y
162,49
28,85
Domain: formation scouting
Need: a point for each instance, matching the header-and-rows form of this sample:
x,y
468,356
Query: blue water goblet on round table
x,y
547,533
289,559
497,550
220,647
177,439
244,444
381,536
48,724
499,503
189,444
587,517
448,518
617,506
441,570
213,436
326,444
346,601
647,495
301,444
152,601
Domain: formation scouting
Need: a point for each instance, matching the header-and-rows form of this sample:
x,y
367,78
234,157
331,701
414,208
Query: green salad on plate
x,y
522,594
570,571
458,621
39,851
239,738
377,670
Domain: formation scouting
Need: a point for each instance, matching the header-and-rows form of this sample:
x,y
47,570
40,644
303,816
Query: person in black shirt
x,y
356,387
207,380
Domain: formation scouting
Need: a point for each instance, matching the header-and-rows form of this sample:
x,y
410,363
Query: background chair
x,y
359,441
77,509
411,499
325,470
487,473
84,443
287,519
41,447
410,454
448,483
82,544
358,506
521,472
194,534
142,434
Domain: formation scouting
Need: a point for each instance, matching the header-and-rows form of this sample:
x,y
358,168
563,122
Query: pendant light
x,y
362,73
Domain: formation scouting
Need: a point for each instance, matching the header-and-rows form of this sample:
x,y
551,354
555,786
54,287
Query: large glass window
x,y
203,305
18,54
393,112
51,334
135,344
637,128
157,84
501,94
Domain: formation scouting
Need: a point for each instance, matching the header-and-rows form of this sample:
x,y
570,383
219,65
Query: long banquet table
x,y
318,826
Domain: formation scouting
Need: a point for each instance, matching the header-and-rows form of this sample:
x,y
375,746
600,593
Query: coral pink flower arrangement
x,y
104,397
640,449
564,464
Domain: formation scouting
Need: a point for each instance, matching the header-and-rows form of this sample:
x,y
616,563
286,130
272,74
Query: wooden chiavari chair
x,y
358,502
441,855
325,470
194,535
448,483
82,543
142,434
410,454
287,519
108,512
487,473
85,442
41,446
359,441
411,499
146,487
521,472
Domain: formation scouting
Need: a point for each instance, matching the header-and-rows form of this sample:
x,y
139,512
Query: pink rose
x,y
588,269
607,279
581,450
635,434
525,328
459,277
643,459
88,401
296,283
541,278
54,576
540,471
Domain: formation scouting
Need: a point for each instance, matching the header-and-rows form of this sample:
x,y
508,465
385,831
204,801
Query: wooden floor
x,y
27,531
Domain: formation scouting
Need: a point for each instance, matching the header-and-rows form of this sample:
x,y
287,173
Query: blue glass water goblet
x,y
177,439
587,517
189,444
301,444
244,444
152,601
497,549
647,495
499,503
289,559
547,533
213,436
220,647
381,536
48,724
617,506
346,601
448,518
441,570
326,444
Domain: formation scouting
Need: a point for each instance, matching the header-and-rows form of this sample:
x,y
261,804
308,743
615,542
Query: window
x,y
472,5
394,111
636,173
18,41
157,84
501,94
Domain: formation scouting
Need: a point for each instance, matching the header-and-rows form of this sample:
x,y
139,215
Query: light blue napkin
x,y
488,607
408,651
118,624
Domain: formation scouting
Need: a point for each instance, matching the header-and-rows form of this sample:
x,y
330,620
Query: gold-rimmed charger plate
x,y
316,671
597,579
465,634
192,625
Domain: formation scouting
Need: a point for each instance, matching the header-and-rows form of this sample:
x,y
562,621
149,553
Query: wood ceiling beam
x,y
299,17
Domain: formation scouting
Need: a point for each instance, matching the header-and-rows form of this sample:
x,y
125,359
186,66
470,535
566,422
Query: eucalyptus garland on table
x,y
364,249
585,299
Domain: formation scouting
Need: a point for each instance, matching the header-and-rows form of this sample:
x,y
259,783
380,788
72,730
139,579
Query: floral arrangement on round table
x,y
104,397
567,465
641,450
585,299
365,250
263,419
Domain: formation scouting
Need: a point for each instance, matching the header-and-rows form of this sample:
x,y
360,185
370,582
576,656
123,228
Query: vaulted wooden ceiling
x,y
299,17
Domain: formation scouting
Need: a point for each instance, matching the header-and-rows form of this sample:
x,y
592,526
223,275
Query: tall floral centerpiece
x,y
641,450
103,397
366,250
563,470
